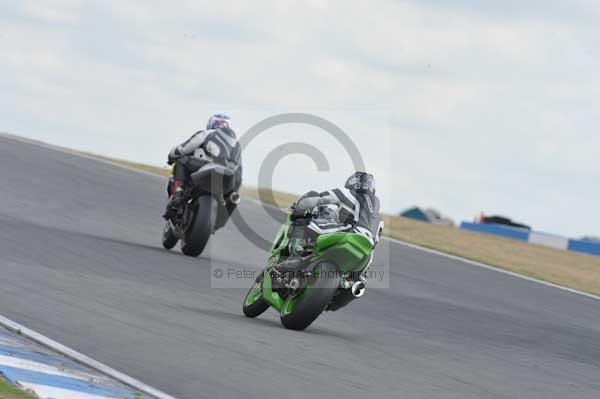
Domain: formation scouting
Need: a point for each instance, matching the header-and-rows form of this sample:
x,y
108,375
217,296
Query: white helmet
x,y
217,121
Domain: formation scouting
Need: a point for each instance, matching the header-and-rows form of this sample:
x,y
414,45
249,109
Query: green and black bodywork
x,y
306,276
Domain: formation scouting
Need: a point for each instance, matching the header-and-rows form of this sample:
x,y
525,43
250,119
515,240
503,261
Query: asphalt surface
x,y
81,262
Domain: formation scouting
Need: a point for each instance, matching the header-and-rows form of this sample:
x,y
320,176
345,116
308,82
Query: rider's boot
x,y
175,200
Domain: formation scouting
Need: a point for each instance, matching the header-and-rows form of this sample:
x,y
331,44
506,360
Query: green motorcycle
x,y
312,271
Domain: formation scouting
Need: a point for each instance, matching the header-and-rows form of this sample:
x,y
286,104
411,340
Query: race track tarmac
x,y
81,262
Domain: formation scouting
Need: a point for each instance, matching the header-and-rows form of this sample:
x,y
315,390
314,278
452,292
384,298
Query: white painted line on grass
x,y
83,359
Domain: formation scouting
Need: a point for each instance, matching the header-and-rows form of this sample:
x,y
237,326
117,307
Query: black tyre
x,y
310,304
254,304
169,239
197,235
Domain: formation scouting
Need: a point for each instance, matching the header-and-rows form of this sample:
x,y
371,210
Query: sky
x,y
464,106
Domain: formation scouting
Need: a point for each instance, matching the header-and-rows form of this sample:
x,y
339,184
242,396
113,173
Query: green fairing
x,y
348,250
280,243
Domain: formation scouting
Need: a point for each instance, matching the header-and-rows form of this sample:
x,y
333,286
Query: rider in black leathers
x,y
218,143
357,210
357,202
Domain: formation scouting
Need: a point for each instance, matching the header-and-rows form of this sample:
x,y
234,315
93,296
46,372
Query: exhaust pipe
x,y
294,283
234,198
358,288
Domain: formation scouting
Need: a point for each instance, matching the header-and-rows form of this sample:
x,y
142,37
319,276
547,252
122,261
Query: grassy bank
x,y
566,268
571,269
9,391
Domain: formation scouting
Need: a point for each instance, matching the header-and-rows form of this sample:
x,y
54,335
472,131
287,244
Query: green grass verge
x,y
9,391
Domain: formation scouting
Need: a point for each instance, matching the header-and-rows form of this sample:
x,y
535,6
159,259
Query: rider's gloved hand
x,y
174,155
297,213
172,159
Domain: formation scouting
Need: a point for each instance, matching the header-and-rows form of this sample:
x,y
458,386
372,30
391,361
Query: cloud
x,y
458,104
53,11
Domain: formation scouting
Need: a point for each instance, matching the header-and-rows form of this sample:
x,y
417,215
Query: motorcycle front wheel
x,y
254,303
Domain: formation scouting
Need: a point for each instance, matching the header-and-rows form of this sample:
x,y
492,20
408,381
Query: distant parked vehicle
x,y
495,219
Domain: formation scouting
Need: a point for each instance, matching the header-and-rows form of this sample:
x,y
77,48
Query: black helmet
x,y
361,181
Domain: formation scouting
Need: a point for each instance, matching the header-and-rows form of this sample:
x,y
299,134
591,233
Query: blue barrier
x,y
588,247
550,240
497,229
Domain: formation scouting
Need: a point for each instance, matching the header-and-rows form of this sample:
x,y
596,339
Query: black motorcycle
x,y
209,199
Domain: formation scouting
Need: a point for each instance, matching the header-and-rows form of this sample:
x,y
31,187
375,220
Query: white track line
x,y
47,342
493,268
468,261
20,363
45,391
83,359
78,153
407,244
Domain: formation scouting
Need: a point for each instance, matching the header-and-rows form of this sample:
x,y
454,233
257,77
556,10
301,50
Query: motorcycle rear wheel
x,y
300,311
197,235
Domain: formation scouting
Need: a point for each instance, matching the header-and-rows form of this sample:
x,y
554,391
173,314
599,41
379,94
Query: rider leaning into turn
x,y
358,206
215,144
357,210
